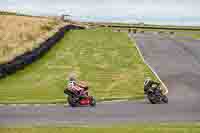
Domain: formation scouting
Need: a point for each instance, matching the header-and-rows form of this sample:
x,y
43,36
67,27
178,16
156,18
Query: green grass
x,y
182,33
192,35
195,36
107,60
137,128
162,30
146,25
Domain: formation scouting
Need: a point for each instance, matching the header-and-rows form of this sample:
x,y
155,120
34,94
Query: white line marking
x,y
122,100
165,87
23,105
2,105
37,105
66,104
114,101
51,104
14,105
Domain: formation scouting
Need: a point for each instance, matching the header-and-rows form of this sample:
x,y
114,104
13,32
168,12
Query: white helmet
x,y
146,81
72,77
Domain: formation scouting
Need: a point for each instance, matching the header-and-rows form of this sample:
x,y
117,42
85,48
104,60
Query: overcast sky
x,y
138,8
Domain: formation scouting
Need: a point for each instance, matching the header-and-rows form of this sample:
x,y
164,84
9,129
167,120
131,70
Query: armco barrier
x,y
27,58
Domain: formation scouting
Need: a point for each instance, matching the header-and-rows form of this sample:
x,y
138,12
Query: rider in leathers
x,y
148,84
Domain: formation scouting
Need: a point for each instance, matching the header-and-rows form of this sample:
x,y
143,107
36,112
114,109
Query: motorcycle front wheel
x,y
72,101
93,102
164,99
152,100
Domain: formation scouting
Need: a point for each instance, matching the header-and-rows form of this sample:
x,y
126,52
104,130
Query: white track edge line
x,y
23,105
112,101
165,87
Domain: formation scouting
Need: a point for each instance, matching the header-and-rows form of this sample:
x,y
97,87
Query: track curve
x,y
177,63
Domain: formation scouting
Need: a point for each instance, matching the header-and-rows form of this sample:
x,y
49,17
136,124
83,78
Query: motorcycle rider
x,y
79,89
150,84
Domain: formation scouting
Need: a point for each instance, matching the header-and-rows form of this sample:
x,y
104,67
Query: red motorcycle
x,y
78,98
75,100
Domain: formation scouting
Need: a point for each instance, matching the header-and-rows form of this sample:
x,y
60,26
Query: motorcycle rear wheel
x,y
93,102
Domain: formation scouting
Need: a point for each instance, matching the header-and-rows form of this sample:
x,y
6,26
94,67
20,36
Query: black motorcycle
x,y
155,95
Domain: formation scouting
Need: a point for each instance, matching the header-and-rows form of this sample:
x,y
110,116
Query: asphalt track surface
x,y
177,62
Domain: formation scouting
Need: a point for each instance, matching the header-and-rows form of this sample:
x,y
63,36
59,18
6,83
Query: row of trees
x,y
11,13
7,13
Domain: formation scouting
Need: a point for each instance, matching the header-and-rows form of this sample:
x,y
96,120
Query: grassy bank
x,y
19,34
137,128
108,61
191,35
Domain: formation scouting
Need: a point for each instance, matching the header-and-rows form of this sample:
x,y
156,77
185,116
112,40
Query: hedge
x,y
29,57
